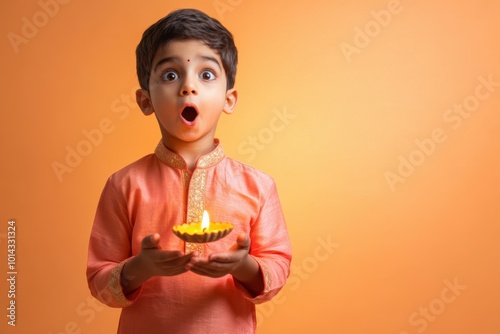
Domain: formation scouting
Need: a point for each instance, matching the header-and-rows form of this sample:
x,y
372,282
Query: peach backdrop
x,y
378,119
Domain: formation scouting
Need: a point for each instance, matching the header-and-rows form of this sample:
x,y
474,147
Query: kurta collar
x,y
174,160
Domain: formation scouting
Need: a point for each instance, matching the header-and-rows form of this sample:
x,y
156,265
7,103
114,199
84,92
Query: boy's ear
x,y
231,100
144,101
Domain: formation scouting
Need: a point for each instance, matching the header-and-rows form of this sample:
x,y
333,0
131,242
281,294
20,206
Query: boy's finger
x,y
243,240
151,241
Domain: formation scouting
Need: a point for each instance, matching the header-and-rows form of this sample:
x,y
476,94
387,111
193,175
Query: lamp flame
x,y
205,222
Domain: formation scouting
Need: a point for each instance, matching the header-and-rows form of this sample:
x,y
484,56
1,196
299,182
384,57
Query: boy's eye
x,y
170,76
207,75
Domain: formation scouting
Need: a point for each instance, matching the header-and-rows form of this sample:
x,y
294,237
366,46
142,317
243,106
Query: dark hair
x,y
186,24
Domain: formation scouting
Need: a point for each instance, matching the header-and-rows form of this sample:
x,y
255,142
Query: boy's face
x,y
187,92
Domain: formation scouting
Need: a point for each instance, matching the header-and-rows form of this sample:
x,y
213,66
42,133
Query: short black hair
x,y
186,24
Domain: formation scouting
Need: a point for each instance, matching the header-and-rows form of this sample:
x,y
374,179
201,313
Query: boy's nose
x,y
188,88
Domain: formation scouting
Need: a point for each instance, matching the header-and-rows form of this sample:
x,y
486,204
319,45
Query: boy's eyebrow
x,y
164,60
211,59
174,59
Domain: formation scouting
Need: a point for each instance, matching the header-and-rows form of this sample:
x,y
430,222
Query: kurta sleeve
x,y
270,247
109,248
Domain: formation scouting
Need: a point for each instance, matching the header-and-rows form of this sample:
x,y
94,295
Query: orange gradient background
x,y
370,255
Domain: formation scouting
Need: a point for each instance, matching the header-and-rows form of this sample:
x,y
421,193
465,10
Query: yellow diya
x,y
204,231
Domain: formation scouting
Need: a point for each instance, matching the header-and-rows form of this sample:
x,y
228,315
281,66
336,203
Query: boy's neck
x,y
190,151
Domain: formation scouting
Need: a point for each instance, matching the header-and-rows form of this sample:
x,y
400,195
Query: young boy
x,y
186,64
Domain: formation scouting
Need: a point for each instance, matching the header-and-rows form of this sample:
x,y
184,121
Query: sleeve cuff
x,y
116,289
266,275
268,280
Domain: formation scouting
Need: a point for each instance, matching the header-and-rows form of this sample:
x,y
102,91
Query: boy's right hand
x,y
160,262
152,261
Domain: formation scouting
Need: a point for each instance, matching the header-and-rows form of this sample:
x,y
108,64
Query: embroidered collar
x,y
176,161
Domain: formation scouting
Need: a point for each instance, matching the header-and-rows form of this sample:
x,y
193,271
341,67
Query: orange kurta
x,y
157,192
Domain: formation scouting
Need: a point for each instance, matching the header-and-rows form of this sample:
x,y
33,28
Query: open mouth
x,y
189,114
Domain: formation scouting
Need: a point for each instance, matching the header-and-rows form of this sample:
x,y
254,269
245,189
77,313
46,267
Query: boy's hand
x,y
160,262
220,264
152,261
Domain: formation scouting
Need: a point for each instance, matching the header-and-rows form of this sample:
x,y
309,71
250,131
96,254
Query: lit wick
x,y
205,221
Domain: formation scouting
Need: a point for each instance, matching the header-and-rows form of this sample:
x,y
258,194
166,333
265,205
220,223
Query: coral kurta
x,y
157,192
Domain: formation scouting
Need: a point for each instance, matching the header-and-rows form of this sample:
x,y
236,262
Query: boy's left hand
x,y
220,264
